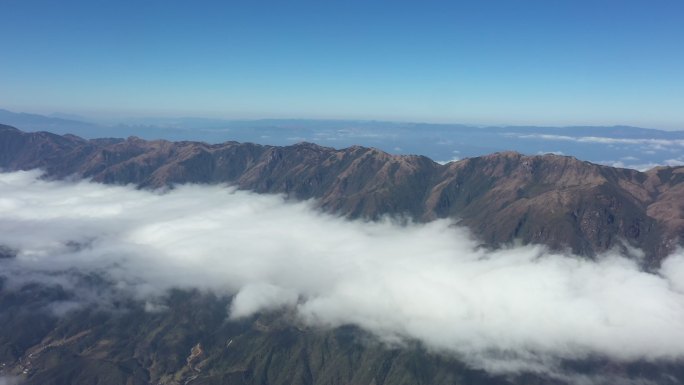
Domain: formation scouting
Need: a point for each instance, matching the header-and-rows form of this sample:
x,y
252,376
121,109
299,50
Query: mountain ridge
x,y
623,146
558,201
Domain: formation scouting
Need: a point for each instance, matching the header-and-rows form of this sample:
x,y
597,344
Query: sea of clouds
x,y
426,282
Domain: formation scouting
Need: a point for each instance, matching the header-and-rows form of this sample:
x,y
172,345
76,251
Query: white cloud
x,y
641,166
443,162
254,298
428,282
653,143
634,166
455,158
674,162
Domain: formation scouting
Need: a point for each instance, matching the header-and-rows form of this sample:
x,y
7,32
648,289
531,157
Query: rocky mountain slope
x,y
191,343
554,200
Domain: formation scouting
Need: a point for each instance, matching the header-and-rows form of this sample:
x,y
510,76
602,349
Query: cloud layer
x,y
657,144
427,282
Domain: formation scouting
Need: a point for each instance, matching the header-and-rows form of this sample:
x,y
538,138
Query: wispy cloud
x,y
428,282
455,158
628,162
604,140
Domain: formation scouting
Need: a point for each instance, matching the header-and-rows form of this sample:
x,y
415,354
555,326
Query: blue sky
x,y
480,62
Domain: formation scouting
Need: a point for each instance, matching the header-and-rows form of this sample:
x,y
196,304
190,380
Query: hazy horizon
x,y
478,63
617,146
114,119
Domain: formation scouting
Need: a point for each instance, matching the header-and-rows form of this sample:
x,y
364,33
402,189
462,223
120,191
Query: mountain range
x,y
557,201
503,198
620,146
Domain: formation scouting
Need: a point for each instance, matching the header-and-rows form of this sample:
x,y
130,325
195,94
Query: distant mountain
x,y
35,122
620,146
553,200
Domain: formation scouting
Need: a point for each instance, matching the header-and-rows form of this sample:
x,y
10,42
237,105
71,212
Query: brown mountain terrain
x,y
557,201
553,200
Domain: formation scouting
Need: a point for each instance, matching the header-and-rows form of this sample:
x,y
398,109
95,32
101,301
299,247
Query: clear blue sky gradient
x,y
480,62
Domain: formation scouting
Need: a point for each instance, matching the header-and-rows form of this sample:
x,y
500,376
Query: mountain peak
x,y
5,127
